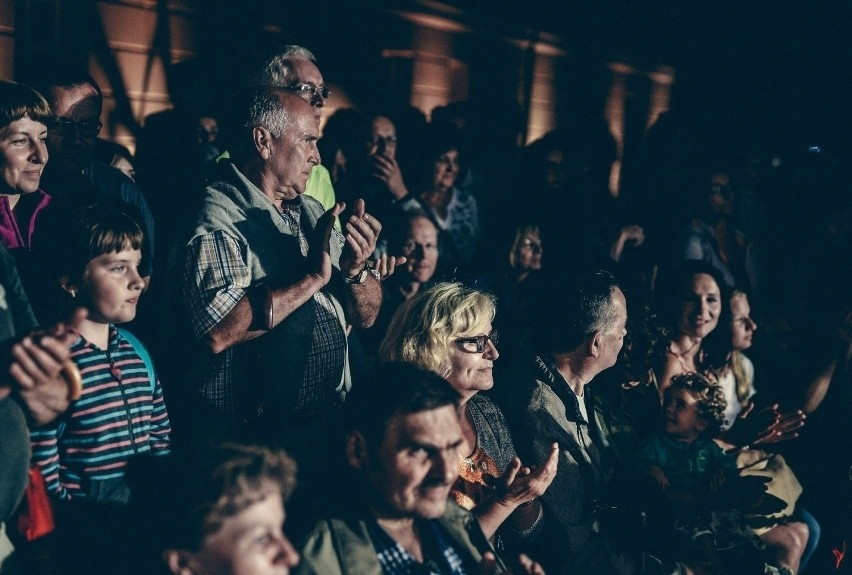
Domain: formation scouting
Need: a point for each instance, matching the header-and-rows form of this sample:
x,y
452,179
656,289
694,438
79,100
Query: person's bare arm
x,y
672,368
818,388
633,234
240,324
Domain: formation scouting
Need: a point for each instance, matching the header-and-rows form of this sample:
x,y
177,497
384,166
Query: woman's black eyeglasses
x,y
477,343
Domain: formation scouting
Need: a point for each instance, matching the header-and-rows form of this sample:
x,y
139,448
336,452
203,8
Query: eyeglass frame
x,y
63,126
481,342
315,93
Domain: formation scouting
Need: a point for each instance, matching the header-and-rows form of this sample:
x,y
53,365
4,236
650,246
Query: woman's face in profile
x,y
742,326
701,307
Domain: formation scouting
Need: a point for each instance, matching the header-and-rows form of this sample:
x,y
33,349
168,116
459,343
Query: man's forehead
x,y
307,123
619,297
382,125
305,71
422,227
80,96
301,113
438,427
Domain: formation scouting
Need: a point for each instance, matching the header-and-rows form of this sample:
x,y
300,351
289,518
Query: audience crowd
x,y
319,323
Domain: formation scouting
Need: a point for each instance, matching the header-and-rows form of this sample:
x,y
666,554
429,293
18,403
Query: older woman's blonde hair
x,y
424,327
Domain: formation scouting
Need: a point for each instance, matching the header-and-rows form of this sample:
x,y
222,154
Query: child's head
x,y
99,261
694,407
217,510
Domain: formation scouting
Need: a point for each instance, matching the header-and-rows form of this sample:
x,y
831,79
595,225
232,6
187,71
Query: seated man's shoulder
x,y
341,543
338,545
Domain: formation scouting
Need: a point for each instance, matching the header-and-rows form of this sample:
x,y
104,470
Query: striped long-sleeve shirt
x,y
119,415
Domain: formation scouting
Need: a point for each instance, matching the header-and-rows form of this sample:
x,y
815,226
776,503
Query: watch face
x,y
358,279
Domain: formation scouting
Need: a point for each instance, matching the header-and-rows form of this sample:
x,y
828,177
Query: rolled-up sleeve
x,y
215,279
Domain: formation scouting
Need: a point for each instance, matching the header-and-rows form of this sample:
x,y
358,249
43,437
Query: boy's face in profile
x,y
112,286
250,542
683,420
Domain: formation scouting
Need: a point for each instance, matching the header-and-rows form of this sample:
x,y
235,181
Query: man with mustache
x,y
402,435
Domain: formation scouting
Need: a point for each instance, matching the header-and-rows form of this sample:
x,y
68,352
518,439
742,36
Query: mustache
x,y
431,482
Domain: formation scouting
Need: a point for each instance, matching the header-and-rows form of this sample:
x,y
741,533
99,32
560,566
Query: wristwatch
x,y
361,276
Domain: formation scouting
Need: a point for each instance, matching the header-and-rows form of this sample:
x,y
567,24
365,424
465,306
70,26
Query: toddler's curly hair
x,y
711,402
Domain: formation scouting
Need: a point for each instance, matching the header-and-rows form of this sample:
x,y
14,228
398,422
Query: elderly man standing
x,y
266,279
578,331
295,69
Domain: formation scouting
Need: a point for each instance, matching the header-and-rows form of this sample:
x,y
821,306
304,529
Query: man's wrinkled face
x,y
71,141
294,153
416,464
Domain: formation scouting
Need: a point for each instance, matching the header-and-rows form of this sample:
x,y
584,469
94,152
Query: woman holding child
x,y
698,303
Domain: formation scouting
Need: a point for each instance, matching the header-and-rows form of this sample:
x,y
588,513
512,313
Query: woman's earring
x,y
73,292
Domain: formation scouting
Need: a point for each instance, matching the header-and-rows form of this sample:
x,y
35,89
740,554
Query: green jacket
x,y
342,546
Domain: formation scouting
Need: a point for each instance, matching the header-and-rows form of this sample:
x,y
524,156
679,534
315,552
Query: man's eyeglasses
x,y
309,92
478,343
64,127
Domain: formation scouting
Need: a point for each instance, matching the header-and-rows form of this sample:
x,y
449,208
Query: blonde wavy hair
x,y
424,327
743,383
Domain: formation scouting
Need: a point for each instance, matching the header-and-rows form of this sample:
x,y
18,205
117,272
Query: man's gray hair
x,y
266,109
251,107
603,313
566,312
278,70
